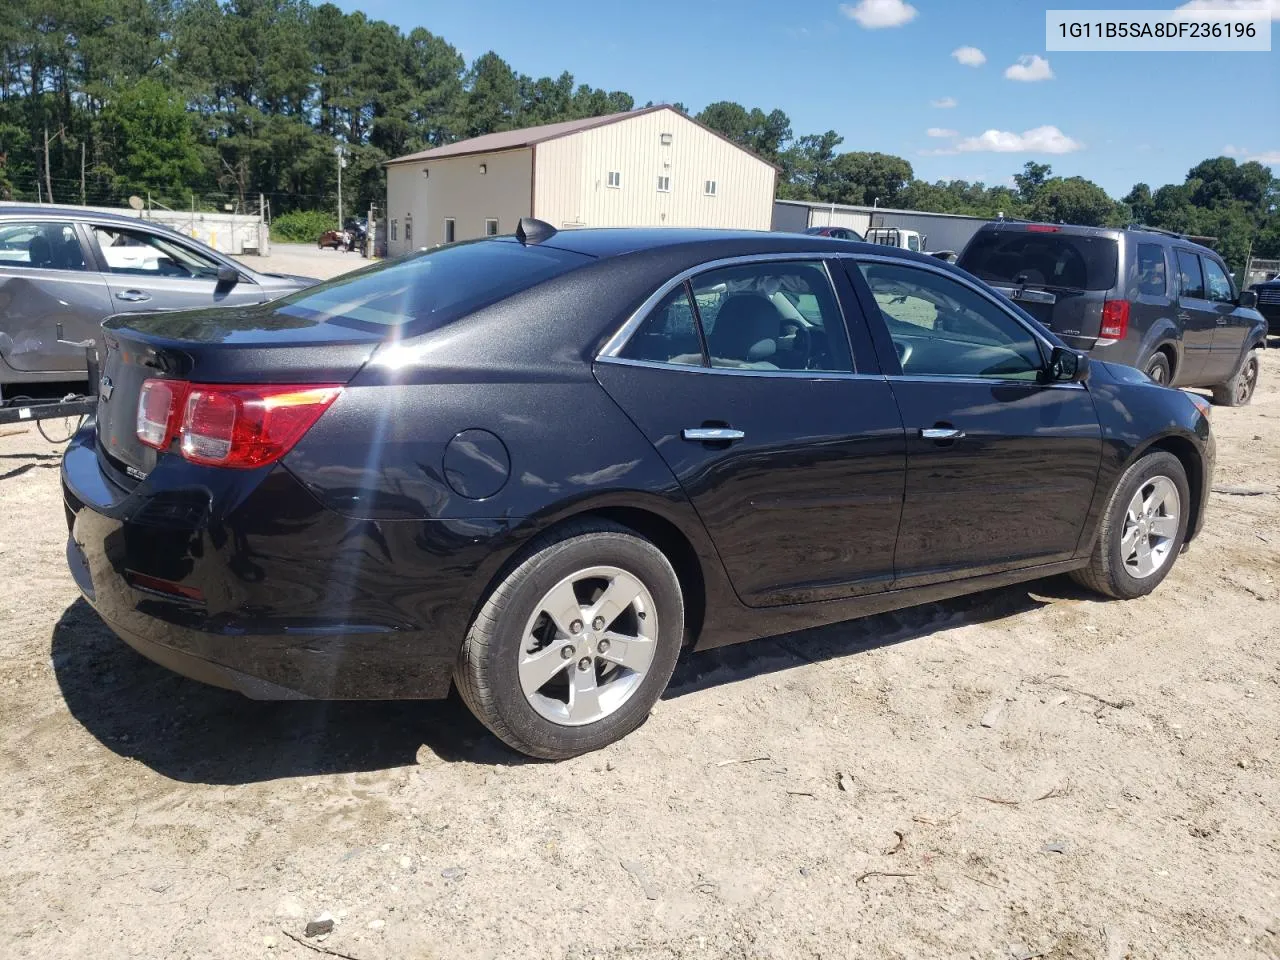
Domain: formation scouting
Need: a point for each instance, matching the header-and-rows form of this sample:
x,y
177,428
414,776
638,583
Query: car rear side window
x,y
1190,278
40,246
1042,259
1152,276
670,333
1217,283
432,288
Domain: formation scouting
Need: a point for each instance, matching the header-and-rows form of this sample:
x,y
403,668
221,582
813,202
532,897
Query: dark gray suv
x,y
74,268
1143,297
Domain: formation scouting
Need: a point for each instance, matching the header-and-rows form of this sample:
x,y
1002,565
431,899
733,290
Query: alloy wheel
x,y
588,645
1150,527
1247,381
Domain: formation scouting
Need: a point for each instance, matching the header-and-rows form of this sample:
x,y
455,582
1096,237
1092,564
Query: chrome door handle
x,y
1184,316
941,433
705,434
132,295
1222,321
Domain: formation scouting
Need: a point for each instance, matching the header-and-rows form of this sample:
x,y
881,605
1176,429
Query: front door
x,y
1001,468
1232,326
45,283
1197,318
742,378
149,271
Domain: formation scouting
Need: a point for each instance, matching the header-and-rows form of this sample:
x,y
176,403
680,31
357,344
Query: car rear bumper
x,y
292,600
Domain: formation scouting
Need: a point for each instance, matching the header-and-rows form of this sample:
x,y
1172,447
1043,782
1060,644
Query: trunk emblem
x,y
105,387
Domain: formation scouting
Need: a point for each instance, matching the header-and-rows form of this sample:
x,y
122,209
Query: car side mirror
x,y
1248,299
228,277
1067,366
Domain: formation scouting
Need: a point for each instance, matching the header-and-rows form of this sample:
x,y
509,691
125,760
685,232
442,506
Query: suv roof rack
x,y
1146,229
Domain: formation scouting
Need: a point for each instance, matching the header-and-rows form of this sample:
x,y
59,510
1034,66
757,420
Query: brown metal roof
x,y
514,139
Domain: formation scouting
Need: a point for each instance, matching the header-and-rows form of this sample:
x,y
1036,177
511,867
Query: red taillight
x,y
1042,228
230,425
156,585
159,410
1115,320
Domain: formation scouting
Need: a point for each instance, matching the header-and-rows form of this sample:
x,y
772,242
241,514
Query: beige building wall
x,y
455,187
572,177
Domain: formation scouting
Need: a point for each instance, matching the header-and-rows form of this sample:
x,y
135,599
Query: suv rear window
x,y
1042,259
432,288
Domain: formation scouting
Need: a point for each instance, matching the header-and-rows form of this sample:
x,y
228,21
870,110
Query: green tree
x,y
1031,179
1074,200
147,136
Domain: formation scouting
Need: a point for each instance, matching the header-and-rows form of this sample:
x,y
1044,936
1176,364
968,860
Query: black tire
x,y
487,674
1158,368
1238,391
1106,573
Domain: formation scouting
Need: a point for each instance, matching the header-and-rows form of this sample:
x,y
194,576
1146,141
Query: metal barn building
x,y
654,167
941,231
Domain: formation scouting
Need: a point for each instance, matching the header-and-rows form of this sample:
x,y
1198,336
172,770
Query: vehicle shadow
x,y
194,733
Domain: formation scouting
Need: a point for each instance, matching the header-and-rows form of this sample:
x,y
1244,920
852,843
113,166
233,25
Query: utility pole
x,y
82,173
342,162
48,182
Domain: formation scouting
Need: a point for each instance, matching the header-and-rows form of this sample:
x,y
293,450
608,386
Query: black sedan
x,y
539,466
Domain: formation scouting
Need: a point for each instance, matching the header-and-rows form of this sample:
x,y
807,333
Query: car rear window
x,y
1042,259
434,287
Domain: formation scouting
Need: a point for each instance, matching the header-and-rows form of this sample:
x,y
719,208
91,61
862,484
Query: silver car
x,y
78,267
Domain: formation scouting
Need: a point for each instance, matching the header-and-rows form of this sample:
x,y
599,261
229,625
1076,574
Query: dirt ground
x,y
1029,772
306,260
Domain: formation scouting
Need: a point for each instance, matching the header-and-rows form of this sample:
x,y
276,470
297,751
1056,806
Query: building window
x,y
484,168
395,229
615,178
666,139
664,184
709,188
491,227
448,229
408,227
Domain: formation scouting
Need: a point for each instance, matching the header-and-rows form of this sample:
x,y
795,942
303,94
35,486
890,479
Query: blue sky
x,y
1116,118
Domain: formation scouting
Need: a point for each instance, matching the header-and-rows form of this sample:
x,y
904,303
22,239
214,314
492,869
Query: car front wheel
x,y
1142,529
573,647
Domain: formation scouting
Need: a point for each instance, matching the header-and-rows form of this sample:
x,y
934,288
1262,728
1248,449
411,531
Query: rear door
x,y
1197,317
153,271
1232,326
1001,468
742,379
45,281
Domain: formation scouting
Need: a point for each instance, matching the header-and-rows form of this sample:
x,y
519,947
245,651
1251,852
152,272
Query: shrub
x,y
302,226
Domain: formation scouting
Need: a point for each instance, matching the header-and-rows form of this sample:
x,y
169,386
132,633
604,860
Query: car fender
x,y
1164,332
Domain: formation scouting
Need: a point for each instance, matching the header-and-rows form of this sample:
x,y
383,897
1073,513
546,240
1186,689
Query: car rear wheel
x,y
1158,369
573,647
1238,391
1142,530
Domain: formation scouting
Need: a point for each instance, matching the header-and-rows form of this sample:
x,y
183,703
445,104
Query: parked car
x,y
538,466
1147,298
76,267
837,233
907,240
340,240
1268,295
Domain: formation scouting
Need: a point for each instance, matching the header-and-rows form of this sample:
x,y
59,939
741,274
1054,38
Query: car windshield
x,y
434,287
1042,259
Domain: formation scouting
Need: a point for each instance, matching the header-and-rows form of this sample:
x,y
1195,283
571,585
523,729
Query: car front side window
x,y
1217,283
942,328
40,246
141,254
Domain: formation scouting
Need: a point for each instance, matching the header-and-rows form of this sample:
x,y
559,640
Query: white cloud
x,y
1029,69
874,14
941,132
1046,139
1242,6
1267,157
946,103
969,56
938,152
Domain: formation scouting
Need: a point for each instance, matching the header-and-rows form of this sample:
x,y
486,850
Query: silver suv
x,y
75,268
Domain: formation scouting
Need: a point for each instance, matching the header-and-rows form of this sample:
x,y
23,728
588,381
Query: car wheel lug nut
x,y
604,646
584,663
597,623
567,653
575,627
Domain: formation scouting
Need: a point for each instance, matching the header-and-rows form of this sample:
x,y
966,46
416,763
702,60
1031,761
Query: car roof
x,y
47,212
1112,233
699,244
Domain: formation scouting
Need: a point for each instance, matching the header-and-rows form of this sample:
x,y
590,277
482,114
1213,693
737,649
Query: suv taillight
x,y
230,425
1115,320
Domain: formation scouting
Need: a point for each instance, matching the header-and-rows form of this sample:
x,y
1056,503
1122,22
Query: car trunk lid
x,y
250,345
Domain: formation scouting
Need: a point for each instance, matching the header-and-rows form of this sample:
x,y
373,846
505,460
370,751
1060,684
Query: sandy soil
x,y
1028,772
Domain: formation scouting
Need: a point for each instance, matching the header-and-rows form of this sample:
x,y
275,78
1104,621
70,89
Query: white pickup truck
x,y
907,240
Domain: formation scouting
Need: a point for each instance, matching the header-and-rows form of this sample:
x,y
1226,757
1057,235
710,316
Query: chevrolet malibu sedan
x,y
537,467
